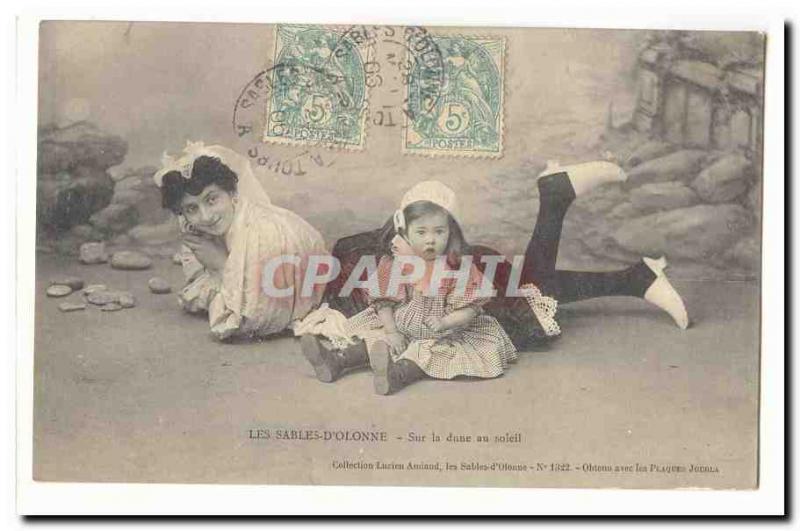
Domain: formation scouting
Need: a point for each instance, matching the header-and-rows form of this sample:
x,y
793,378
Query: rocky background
x,y
700,208
83,195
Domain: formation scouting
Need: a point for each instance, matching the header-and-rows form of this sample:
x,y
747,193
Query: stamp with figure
x,y
319,88
466,117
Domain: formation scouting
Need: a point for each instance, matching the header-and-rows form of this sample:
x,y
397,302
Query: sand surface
x,y
146,395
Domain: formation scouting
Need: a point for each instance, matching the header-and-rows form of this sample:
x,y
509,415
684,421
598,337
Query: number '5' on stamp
x,y
459,111
319,94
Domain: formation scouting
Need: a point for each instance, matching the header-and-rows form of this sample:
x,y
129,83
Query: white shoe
x,y
589,175
662,294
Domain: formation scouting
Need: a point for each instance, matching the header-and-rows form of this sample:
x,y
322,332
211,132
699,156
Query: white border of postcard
x,y
87,498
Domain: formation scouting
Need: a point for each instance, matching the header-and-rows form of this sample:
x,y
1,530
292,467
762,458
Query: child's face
x,y
428,235
211,212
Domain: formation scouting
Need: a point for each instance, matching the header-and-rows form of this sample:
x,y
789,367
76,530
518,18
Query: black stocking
x,y
555,196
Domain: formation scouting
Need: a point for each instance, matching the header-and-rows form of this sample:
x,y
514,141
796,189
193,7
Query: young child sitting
x,y
429,327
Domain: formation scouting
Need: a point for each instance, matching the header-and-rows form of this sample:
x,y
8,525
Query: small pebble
x,y
93,288
73,282
127,300
111,307
159,285
58,290
130,260
71,307
100,298
176,259
93,253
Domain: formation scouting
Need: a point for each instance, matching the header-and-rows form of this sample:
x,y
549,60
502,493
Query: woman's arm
x,y
209,252
201,285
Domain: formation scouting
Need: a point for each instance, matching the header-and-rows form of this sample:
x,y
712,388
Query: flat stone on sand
x,y
159,285
93,253
111,307
91,288
100,298
71,307
57,290
126,299
130,260
75,283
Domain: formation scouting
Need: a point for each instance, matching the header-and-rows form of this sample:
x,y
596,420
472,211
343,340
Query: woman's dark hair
x,y
457,246
205,171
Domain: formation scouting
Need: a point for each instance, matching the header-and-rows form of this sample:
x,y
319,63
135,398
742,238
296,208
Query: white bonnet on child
x,y
433,191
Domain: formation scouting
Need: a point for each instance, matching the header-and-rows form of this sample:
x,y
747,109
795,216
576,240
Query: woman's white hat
x,y
248,185
433,191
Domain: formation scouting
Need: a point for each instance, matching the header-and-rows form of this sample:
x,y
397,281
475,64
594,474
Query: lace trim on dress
x,y
544,308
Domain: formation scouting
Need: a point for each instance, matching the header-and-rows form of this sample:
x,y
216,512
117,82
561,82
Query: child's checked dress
x,y
481,349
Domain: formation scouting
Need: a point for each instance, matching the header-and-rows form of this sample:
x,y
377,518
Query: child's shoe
x,y
390,376
323,360
329,364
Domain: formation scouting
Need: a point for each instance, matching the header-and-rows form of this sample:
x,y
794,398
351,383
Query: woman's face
x,y
428,235
211,212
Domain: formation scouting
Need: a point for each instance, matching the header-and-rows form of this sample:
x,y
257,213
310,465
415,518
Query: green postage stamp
x,y
319,92
461,113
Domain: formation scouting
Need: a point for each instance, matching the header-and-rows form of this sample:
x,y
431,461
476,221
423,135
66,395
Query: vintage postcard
x,y
385,255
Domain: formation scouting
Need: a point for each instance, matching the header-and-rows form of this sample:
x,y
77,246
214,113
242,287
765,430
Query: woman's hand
x,y
397,342
212,254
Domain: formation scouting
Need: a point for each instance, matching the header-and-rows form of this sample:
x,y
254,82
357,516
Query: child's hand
x,y
435,324
451,322
397,342
209,253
